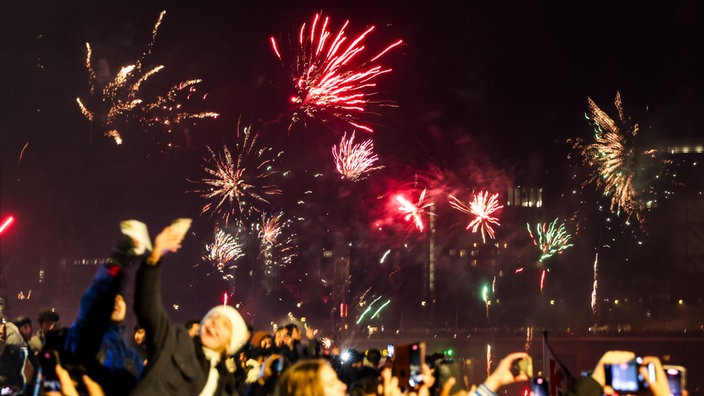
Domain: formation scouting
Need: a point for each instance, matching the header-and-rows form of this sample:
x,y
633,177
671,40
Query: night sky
x,y
487,95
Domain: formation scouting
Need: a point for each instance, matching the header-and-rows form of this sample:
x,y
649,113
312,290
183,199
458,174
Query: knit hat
x,y
22,320
47,315
239,327
257,338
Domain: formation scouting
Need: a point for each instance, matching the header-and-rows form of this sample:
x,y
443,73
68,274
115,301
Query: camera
x,y
626,377
676,379
522,366
48,359
540,386
446,368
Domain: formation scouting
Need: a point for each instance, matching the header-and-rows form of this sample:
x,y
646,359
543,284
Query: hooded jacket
x,y
96,343
13,354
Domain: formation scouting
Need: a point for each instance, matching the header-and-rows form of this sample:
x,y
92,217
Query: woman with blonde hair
x,y
312,377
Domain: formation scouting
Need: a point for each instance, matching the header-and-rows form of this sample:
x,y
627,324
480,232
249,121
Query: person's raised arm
x,y
168,240
147,301
501,376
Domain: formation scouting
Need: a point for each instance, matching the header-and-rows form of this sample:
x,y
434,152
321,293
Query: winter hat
x,y
239,327
257,338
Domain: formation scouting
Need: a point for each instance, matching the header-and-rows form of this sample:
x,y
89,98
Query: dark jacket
x,y
97,344
176,364
586,386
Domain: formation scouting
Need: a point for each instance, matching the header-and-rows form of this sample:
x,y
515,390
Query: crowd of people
x,y
220,354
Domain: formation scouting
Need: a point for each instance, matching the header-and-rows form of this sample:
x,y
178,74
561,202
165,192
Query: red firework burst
x,y
413,211
330,77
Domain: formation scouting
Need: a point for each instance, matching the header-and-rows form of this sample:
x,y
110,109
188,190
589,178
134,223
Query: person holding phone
x,y
502,375
176,363
597,383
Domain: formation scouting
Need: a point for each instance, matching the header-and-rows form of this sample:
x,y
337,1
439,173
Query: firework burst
x,y
276,246
483,206
352,160
331,79
274,239
413,212
223,253
122,100
612,158
550,238
239,187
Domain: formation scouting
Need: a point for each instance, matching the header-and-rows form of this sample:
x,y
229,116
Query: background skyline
x,y
487,96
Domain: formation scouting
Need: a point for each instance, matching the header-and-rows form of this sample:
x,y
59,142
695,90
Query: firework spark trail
x,y
223,253
376,313
239,187
483,206
24,148
612,158
529,338
488,359
383,257
551,239
412,211
330,78
485,298
366,311
352,160
121,100
595,284
543,274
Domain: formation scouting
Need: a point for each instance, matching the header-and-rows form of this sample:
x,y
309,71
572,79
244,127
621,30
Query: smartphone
x,y
408,364
181,226
279,365
676,379
416,355
390,350
48,359
540,386
626,377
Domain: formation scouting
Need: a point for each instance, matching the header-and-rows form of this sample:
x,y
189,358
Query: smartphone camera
x,y
675,379
540,386
415,366
48,359
626,377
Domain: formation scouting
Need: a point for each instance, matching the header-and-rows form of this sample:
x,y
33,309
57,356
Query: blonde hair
x,y
301,379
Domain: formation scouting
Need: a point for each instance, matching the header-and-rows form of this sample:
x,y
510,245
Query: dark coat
x,y
176,364
97,344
